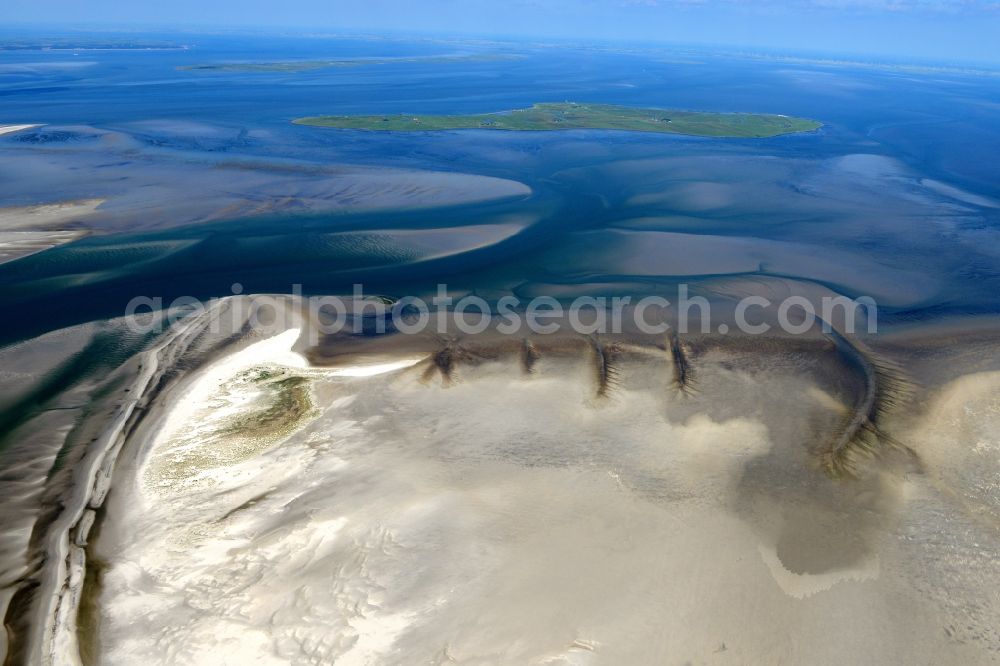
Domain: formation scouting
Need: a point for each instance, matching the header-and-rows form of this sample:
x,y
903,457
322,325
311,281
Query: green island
x,y
568,115
292,66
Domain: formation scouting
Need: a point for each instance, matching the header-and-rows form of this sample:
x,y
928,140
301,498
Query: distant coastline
x,y
293,66
87,45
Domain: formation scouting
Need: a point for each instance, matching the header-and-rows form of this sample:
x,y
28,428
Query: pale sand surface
x,y
273,350
513,520
26,230
46,215
17,244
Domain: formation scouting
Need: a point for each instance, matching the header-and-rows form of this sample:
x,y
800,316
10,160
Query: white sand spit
x,y
8,129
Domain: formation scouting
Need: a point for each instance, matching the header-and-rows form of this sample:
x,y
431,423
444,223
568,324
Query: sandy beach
x,y
25,230
405,516
46,216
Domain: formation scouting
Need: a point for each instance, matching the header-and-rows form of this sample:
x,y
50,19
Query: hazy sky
x,y
932,29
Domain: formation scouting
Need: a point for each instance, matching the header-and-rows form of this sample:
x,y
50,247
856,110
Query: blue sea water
x,y
913,126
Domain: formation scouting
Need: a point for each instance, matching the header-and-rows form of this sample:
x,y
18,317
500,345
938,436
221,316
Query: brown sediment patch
x,y
683,372
606,358
884,387
88,618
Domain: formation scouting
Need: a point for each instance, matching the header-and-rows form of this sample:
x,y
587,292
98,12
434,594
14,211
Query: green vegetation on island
x,y
287,403
568,115
292,66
